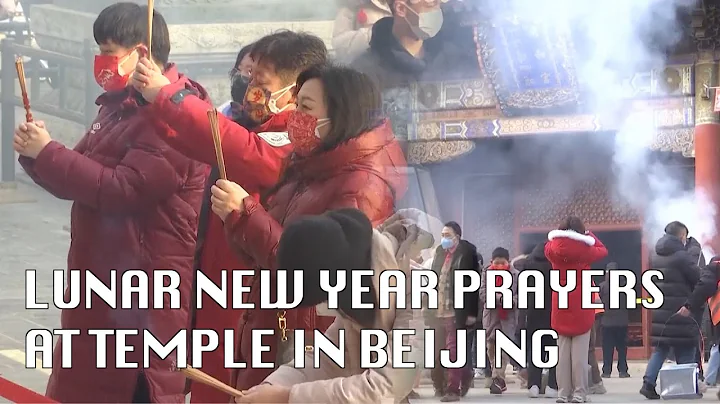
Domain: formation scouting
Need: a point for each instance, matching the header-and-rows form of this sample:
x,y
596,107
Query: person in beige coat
x,y
353,23
345,239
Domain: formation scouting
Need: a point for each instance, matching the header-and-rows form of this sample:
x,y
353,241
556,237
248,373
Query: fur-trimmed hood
x,y
570,245
573,235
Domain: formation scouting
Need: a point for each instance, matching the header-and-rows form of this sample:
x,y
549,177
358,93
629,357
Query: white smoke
x,y
614,47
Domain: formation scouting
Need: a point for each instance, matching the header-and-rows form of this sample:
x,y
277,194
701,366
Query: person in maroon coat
x,y
254,148
136,206
345,156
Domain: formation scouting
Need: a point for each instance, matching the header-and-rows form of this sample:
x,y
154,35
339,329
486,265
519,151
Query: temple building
x,y
521,148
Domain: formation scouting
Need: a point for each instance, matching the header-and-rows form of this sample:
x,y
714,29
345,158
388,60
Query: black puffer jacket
x,y
448,56
539,317
681,274
695,248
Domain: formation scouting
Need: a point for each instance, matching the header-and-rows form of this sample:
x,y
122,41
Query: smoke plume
x,y
614,39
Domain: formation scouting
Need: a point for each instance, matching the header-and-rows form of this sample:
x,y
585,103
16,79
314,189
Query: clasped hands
x,y
31,138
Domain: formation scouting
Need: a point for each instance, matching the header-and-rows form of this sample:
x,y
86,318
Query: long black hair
x,y
354,106
573,223
354,103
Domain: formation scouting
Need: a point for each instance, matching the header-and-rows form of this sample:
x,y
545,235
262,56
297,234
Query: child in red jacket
x,y
572,248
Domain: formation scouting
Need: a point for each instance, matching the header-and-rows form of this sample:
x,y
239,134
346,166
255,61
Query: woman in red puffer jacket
x,y
572,248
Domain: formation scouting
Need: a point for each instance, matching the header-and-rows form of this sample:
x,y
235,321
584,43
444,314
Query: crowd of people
x,y
314,172
687,285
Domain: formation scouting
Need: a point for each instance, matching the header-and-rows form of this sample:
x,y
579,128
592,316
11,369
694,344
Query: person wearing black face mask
x,y
239,81
344,239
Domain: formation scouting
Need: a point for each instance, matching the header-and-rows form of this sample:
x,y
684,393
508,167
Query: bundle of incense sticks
x,y
23,88
151,6
215,129
200,377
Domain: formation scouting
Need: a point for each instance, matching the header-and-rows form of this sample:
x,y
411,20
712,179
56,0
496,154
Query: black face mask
x,y
239,88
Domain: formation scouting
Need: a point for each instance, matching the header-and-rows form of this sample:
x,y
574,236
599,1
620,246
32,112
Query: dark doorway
x,y
624,248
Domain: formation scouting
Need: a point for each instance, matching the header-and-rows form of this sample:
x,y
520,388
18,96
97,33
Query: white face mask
x,y
272,103
429,23
320,123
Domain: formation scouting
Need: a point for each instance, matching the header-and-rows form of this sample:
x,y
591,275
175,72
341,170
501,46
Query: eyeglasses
x,y
235,72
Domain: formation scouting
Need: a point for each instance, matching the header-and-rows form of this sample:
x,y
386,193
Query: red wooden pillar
x,y
707,170
707,140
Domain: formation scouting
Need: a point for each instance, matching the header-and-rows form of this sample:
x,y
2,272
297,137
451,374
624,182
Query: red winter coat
x,y
366,173
136,207
570,250
253,160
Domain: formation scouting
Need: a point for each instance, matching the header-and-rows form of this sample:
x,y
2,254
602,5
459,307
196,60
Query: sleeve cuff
x,y
236,219
26,161
166,94
44,160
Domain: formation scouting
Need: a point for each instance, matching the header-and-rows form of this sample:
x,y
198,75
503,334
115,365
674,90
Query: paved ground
x,y
33,235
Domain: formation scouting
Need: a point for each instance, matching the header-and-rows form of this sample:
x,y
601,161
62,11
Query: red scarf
x,y
502,313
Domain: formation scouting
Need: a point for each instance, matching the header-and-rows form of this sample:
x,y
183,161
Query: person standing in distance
x,y
672,332
454,253
614,330
572,248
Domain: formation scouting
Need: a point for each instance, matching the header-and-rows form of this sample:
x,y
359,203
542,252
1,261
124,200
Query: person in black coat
x,y
614,329
696,254
453,254
671,331
706,288
693,248
403,52
538,318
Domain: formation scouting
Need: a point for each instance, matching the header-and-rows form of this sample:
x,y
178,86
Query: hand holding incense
x,y
151,6
215,129
23,88
201,377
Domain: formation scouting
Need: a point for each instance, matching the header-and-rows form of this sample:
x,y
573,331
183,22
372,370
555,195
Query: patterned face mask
x,y
303,131
260,103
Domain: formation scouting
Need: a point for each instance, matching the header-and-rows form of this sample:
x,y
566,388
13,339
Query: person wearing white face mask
x,y
419,42
254,147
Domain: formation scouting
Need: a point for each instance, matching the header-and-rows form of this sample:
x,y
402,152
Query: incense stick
x,y
214,128
200,377
23,88
151,6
